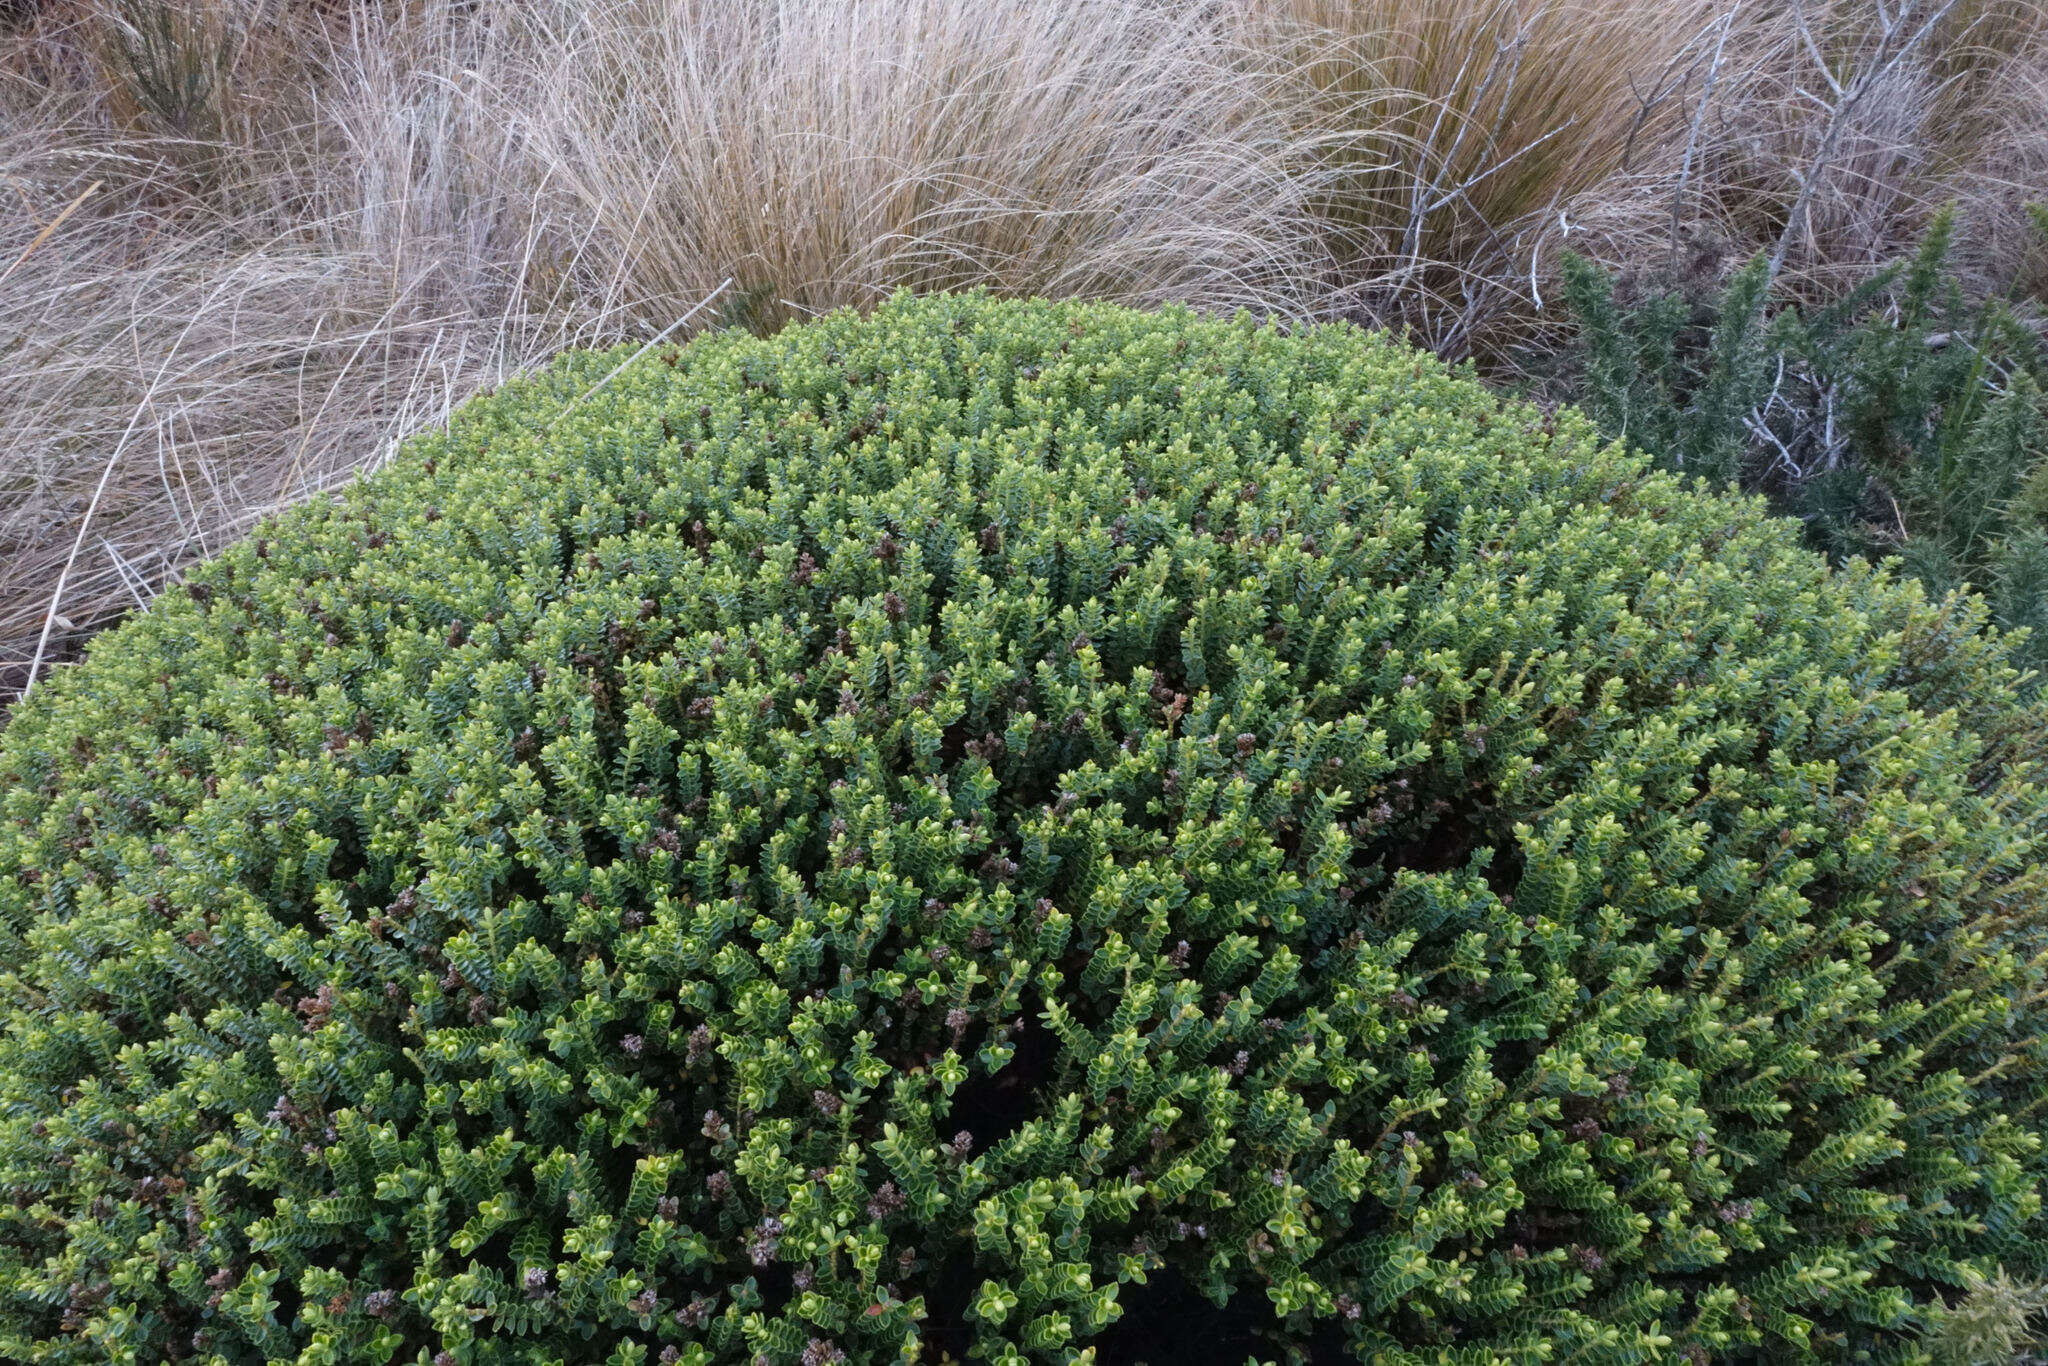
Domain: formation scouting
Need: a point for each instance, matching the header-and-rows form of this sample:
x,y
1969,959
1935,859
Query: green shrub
x,y
1905,418
976,828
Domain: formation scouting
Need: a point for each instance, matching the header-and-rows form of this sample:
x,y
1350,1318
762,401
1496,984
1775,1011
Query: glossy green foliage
x,y
930,834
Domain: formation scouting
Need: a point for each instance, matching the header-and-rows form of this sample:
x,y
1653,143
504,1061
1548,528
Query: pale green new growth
x,y
924,834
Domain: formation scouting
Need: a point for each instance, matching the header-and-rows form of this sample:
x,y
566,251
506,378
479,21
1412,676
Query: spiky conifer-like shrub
x,y
963,831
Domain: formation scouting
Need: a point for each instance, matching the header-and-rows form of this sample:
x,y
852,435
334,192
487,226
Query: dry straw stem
x,y
48,228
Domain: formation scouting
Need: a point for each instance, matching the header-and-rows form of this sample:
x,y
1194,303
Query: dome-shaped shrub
x,y
980,828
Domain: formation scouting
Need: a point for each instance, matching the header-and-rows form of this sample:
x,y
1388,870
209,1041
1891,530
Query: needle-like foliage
x,y
930,833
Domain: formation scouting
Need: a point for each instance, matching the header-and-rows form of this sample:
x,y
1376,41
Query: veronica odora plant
x,y
966,831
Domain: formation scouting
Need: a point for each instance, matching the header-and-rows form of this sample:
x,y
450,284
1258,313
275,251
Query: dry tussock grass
x,y
1472,135
825,154
251,244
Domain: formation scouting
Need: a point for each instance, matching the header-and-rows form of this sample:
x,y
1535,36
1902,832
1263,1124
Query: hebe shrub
x,y
971,830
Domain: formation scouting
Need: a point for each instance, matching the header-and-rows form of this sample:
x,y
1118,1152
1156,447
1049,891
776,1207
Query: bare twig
x,y
1699,117
1896,41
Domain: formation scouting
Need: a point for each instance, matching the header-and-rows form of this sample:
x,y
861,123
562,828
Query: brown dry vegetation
x,y
249,245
